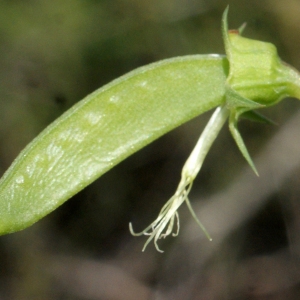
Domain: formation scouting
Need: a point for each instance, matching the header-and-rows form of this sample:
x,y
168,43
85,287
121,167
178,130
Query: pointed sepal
x,y
254,116
235,101
239,140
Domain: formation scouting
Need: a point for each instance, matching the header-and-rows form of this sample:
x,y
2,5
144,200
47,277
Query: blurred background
x,y
53,53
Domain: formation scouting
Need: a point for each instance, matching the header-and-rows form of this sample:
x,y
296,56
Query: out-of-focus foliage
x,y
55,52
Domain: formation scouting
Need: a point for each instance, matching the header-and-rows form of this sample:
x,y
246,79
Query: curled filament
x,y
164,224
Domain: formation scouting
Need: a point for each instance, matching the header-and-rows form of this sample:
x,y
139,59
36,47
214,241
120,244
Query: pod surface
x,y
103,129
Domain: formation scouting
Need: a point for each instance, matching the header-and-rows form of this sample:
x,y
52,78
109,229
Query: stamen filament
x,y
166,218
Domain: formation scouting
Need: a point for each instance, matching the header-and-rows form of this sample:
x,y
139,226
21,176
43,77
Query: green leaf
x,y
105,128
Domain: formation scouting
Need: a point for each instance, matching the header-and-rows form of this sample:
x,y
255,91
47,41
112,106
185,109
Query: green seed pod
x,y
132,111
105,128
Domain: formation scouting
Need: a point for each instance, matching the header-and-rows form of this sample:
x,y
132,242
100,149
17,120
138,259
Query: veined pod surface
x,y
105,128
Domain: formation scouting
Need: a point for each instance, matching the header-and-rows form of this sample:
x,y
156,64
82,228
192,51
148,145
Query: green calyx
x,y
257,78
255,70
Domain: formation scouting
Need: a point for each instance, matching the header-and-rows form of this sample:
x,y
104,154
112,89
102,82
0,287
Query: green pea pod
x,y
132,111
105,128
